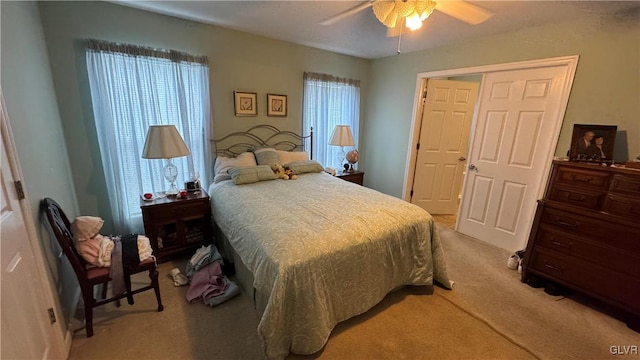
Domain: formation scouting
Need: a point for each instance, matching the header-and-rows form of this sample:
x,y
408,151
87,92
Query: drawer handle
x,y
555,268
581,179
560,222
562,244
574,197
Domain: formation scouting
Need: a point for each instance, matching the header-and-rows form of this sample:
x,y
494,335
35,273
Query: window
x,y
330,101
132,88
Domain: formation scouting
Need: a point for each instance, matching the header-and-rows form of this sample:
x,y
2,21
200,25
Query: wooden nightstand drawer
x,y
176,210
356,177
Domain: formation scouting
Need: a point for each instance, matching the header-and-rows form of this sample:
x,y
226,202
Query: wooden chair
x,y
89,276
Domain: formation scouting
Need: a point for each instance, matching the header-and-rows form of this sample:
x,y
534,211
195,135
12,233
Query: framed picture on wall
x,y
245,103
592,143
276,105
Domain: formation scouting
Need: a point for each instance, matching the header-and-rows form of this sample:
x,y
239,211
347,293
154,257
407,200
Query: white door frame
x,y
570,61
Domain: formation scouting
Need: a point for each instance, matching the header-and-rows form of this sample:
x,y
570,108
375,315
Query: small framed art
x,y
245,103
592,143
276,105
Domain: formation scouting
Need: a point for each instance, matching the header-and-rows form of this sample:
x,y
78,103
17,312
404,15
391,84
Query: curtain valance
x,y
135,50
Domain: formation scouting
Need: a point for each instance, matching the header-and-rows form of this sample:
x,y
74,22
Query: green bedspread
x,y
323,250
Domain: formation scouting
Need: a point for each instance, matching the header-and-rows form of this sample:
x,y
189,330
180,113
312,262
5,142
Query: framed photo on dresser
x,y
592,143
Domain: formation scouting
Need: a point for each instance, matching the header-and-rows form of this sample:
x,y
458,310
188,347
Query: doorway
x,y
552,91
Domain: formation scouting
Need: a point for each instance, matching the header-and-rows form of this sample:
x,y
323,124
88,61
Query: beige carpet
x,y
488,315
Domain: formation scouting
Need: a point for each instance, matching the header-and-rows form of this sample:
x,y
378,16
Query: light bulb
x,y
413,21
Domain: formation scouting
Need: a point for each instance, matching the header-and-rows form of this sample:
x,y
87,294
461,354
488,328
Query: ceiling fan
x,y
397,14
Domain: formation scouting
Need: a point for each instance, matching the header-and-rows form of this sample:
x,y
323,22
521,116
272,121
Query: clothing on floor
x,y
202,257
208,283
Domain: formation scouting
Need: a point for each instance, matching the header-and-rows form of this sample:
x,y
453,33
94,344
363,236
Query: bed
x,y
318,250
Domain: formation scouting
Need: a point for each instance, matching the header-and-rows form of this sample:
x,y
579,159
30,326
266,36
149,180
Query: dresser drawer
x,y
606,232
586,198
589,250
626,184
591,179
624,206
604,283
165,213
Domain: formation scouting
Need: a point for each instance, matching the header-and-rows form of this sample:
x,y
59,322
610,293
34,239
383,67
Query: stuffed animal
x,y
283,173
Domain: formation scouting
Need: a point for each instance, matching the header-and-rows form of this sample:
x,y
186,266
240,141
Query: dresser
x,y
586,234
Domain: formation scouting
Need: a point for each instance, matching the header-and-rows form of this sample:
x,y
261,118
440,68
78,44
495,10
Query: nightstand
x,y
356,177
174,225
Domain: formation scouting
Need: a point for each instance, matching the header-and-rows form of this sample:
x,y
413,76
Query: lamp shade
x,y
342,136
164,142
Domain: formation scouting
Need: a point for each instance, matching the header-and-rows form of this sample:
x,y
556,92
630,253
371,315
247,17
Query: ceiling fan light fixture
x,y
391,20
413,21
404,8
382,10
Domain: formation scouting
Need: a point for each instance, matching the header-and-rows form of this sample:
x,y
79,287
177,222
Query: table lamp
x,y
164,142
342,137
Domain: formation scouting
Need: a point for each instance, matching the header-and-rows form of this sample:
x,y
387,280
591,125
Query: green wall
x,y
37,130
238,61
605,90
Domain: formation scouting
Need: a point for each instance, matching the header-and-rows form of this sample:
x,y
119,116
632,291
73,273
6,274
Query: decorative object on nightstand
x,y
352,158
342,137
164,142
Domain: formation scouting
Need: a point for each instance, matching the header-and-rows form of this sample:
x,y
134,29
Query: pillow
x,y
290,156
223,164
305,166
251,174
266,156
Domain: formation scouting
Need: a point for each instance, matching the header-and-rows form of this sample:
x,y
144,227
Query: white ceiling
x,y
361,34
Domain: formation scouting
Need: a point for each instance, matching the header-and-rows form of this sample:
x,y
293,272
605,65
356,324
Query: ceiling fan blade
x,y
346,13
394,31
464,11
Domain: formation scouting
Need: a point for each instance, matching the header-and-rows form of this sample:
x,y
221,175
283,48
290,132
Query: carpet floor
x,y
489,314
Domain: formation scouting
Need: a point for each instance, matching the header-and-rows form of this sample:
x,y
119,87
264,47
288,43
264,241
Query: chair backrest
x,y
60,226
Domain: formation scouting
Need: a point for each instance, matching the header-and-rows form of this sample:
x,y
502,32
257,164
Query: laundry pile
x,y
119,253
207,283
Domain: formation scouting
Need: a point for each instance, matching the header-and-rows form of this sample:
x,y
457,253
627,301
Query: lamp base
x,y
171,173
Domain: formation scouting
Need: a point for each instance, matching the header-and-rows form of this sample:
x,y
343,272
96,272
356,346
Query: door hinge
x,y
424,94
19,190
418,146
411,193
52,315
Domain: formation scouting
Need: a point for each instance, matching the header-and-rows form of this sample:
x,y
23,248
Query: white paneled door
x,y
444,141
27,332
517,123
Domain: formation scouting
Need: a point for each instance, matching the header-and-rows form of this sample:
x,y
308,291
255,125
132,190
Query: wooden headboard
x,y
238,142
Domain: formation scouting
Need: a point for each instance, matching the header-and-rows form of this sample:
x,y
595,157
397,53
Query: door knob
x,y
473,167
462,158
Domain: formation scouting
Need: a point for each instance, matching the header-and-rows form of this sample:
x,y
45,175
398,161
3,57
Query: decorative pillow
x,y
251,174
305,166
266,156
290,156
223,164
